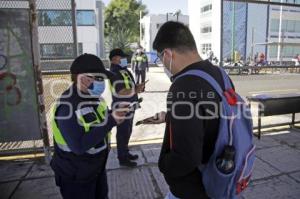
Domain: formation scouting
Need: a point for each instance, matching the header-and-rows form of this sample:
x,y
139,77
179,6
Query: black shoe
x,y
133,156
127,163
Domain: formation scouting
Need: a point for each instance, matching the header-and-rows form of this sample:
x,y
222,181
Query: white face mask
x,y
168,70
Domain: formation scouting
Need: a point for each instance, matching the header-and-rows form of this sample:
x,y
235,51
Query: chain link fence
x,y
57,48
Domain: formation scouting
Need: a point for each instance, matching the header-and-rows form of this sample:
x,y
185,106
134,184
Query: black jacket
x,y
193,138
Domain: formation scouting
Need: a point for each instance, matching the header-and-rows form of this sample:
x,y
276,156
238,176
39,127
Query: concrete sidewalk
x,y
276,174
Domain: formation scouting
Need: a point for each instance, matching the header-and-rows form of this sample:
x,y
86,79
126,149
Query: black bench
x,y
269,105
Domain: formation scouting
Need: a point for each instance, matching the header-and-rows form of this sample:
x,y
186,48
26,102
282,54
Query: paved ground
x,y
276,174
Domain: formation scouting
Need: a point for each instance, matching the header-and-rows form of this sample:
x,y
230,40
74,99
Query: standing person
x,y
81,125
140,65
189,140
127,90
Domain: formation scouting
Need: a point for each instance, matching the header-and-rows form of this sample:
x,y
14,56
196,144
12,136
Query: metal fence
x,y
34,34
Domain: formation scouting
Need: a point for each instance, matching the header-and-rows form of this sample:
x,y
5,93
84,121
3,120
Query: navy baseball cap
x,y
117,52
88,63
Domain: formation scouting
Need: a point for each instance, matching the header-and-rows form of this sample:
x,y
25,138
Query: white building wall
x,y
194,17
88,36
91,37
85,4
216,27
152,23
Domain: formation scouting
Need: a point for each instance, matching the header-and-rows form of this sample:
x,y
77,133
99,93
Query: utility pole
x,y
141,27
233,30
252,44
280,35
74,28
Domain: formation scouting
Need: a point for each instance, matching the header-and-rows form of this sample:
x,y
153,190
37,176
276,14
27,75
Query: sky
x,y
163,6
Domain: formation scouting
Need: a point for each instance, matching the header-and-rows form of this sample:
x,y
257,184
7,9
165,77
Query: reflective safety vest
x,y
140,58
62,144
127,79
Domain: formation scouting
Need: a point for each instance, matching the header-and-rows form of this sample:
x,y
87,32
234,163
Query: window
x,y
59,51
273,51
297,26
55,18
64,18
274,25
86,18
206,8
288,52
291,26
205,48
206,29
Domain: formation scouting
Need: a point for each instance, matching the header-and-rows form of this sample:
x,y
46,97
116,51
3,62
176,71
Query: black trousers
x,y
95,189
140,75
124,132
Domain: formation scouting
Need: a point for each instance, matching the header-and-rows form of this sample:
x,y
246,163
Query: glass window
x,y
54,18
284,25
86,18
273,51
291,26
206,8
206,29
205,48
59,51
274,25
297,26
288,51
64,18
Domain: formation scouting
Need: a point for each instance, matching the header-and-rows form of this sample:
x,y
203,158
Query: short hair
x,y
174,35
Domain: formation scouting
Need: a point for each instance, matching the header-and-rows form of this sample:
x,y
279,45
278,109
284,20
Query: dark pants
x,y
123,135
96,189
140,74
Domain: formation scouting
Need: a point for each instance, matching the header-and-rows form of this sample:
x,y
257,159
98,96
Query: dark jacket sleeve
x,y
77,139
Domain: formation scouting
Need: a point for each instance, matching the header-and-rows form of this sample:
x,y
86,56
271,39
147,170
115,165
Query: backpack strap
x,y
206,77
226,79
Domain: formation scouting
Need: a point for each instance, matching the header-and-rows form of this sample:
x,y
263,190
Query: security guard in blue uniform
x,y
124,85
81,125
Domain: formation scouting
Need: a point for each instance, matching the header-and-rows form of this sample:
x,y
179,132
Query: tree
x,y
122,23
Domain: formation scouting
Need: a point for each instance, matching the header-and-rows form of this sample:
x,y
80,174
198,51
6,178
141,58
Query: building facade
x,y
247,29
56,33
150,25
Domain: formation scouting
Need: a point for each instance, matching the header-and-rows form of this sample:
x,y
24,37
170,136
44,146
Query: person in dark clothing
x,y
81,125
192,118
127,89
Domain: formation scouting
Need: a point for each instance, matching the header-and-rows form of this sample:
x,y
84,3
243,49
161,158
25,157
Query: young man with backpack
x,y
199,156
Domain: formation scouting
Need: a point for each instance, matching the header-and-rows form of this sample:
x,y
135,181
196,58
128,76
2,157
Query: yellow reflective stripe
x,y
101,109
112,89
58,138
126,80
87,125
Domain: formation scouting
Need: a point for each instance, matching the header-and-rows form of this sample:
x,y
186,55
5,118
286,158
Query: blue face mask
x,y
96,88
124,63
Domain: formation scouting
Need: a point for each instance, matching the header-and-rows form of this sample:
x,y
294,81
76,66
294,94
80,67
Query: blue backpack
x,y
235,131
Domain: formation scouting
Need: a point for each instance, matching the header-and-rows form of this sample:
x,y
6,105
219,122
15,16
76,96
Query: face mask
x,y
96,88
168,70
124,63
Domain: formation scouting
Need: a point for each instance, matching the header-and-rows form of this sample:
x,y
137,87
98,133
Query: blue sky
x,y
163,6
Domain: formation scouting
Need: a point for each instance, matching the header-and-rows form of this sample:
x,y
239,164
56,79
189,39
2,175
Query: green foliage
x,y
122,23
